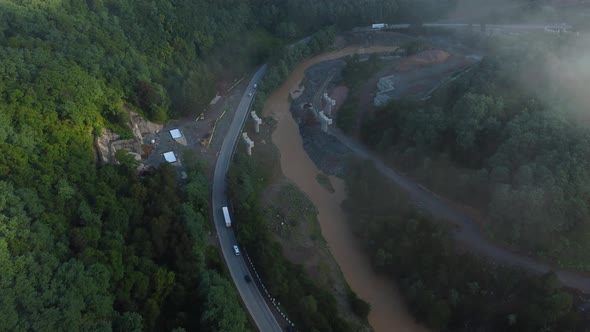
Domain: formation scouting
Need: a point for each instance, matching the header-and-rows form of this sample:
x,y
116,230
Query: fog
x,y
554,68
568,75
475,10
518,11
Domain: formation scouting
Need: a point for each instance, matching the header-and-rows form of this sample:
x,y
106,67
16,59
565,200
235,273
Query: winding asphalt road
x,y
251,296
468,233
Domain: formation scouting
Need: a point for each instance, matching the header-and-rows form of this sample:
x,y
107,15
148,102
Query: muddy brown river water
x,y
388,313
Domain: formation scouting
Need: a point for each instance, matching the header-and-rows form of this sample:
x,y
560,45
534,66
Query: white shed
x,y
175,133
170,156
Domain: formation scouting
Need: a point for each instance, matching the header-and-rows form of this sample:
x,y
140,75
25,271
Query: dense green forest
x,y
444,289
87,247
510,138
113,252
96,247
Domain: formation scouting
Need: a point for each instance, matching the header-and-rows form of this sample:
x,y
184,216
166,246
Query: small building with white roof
x,y
170,156
175,133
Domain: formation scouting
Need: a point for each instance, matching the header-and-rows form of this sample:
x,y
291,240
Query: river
x,y
388,312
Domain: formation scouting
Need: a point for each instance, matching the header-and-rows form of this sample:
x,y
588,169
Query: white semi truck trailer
x,y
226,216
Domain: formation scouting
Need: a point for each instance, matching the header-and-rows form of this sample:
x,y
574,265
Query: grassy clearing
x,y
293,211
325,182
266,155
294,221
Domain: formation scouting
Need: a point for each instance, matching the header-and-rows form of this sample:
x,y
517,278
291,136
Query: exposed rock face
x,y
102,144
109,142
141,127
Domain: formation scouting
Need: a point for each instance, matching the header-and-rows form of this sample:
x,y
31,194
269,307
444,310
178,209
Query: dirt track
x,y
468,233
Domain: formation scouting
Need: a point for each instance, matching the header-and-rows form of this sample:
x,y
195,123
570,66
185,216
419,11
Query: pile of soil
x,y
422,59
431,56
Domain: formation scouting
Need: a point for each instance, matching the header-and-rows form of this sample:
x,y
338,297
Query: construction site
x,y
314,107
313,110
417,76
316,102
152,144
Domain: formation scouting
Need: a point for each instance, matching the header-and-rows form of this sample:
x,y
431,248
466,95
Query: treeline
x,y
309,306
446,290
97,248
158,54
290,18
508,138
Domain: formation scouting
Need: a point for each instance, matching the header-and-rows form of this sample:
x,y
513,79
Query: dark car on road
x,y
247,278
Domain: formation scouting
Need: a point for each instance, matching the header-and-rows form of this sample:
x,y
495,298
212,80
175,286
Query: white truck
x,y
226,216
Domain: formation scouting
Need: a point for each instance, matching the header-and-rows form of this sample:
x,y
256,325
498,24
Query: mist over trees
x,y
447,290
507,139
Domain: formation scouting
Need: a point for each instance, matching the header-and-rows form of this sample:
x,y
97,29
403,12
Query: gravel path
x,y
468,233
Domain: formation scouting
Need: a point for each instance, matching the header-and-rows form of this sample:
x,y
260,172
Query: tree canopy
x,y
508,139
97,247
445,289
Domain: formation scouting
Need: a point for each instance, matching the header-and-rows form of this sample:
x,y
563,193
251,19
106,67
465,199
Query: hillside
x,y
509,138
90,246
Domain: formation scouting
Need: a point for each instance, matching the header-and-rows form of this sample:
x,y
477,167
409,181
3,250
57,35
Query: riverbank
x,y
291,217
388,312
